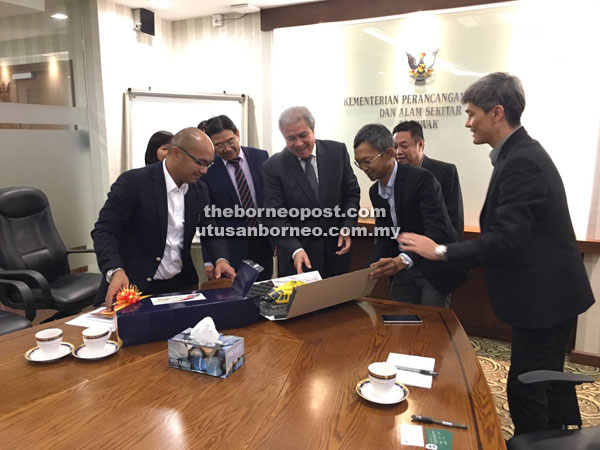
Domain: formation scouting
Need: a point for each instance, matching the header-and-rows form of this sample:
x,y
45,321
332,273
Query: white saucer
x,y
82,352
36,355
398,393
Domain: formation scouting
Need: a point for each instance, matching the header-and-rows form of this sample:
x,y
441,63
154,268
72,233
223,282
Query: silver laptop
x,y
321,294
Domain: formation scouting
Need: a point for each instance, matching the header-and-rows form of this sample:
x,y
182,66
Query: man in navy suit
x,y
413,201
144,231
409,145
312,174
235,178
534,270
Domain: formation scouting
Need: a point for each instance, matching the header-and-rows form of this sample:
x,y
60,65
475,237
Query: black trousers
x,y
535,407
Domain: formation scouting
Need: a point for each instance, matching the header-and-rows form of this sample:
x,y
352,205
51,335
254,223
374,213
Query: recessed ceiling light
x,y
59,16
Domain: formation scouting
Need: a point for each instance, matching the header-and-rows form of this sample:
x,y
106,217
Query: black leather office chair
x,y
560,439
10,322
31,251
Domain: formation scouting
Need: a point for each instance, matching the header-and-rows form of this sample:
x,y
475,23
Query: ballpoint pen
x,y
421,371
423,419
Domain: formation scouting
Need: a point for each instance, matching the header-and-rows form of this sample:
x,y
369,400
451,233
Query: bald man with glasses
x,y
144,231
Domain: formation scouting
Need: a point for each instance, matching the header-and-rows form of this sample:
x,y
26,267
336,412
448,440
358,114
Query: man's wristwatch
x,y
440,251
110,273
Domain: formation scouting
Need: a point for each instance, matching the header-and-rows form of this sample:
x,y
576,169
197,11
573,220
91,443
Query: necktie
x,y
244,190
309,170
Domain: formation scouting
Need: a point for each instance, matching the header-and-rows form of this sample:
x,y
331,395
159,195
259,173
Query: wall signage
x,y
427,109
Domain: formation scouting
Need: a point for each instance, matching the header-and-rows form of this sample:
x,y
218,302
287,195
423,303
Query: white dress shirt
x,y
171,263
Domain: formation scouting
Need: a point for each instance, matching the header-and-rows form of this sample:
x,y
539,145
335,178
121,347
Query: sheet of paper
x,y
307,277
177,299
416,362
87,320
411,435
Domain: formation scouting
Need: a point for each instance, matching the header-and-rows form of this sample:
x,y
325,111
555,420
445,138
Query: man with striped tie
x,y
236,178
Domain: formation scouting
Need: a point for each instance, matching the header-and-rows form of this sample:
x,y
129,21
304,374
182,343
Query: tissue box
x,y
219,360
144,322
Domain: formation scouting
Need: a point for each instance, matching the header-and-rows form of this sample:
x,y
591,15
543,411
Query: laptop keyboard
x,y
260,289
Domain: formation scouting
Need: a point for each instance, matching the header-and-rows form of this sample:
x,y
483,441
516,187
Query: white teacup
x,y
382,376
48,340
95,338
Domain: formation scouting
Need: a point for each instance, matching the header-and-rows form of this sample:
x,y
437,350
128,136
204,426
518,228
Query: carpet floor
x,y
494,357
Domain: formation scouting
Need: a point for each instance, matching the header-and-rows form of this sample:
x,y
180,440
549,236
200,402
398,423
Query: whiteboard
x,y
148,112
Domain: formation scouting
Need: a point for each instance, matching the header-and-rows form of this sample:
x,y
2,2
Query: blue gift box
x,y
218,360
144,322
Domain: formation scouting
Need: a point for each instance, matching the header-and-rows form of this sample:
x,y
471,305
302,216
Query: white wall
x,y
130,60
235,58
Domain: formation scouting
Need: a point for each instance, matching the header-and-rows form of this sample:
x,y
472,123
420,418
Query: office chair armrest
x,y
26,296
537,376
82,250
32,278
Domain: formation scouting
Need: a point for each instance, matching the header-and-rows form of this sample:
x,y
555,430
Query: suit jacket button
x,y
158,258
148,280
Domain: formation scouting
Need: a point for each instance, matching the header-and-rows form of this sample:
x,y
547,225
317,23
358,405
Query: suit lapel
x,y
255,170
296,171
324,164
192,206
380,202
510,143
222,173
159,191
399,192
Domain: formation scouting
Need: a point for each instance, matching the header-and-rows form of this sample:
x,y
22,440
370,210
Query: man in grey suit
x,y
409,145
313,174
534,271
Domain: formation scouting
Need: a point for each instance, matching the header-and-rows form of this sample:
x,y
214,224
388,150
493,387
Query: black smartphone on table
x,y
401,318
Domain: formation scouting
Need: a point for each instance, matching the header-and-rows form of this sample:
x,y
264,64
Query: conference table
x,y
295,391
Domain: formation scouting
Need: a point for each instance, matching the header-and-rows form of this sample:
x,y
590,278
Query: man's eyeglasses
x,y
197,161
367,162
221,145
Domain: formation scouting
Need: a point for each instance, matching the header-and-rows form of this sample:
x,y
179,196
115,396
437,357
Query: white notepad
x,y
415,362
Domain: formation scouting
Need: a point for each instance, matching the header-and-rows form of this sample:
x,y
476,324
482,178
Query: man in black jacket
x,y
144,230
409,145
413,201
534,271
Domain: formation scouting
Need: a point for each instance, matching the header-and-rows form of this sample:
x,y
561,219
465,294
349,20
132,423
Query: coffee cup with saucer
x,y
50,346
96,344
381,386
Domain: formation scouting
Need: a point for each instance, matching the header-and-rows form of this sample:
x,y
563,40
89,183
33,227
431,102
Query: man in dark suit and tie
x,y
534,271
236,178
311,174
144,231
409,144
413,201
